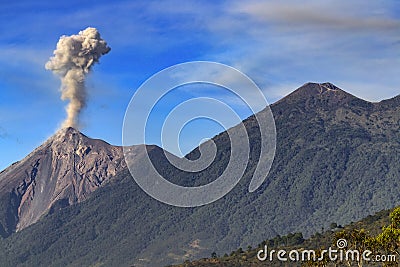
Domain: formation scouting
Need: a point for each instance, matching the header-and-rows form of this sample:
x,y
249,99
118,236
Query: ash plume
x,y
72,61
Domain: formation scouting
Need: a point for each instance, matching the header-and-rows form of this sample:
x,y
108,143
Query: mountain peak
x,y
320,89
67,167
328,93
69,139
329,86
68,131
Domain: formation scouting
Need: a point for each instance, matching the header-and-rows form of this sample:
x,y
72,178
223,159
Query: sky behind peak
x,y
279,44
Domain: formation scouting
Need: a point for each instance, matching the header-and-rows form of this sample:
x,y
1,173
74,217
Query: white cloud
x,y
287,42
331,15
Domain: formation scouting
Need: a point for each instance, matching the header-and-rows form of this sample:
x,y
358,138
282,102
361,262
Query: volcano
x,y
62,171
337,161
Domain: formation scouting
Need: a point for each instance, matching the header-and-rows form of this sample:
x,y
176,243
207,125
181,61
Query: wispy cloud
x,y
332,15
290,42
271,41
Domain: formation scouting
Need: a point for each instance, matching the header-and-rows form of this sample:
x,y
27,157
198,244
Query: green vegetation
x,y
8,216
337,160
365,234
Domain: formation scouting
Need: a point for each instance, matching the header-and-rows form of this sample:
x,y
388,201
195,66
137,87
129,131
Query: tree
x,y
333,226
385,243
356,239
389,239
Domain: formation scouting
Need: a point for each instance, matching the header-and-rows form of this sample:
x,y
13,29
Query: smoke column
x,y
72,61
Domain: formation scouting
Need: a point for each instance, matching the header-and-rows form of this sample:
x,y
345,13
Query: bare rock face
x,y
63,171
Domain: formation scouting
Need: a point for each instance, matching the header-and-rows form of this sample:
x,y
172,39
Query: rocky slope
x,y
63,171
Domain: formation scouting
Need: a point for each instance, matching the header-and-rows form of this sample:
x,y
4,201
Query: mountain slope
x,y
64,170
248,257
337,160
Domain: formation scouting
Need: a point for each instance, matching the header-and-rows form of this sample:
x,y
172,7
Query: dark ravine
x,y
337,160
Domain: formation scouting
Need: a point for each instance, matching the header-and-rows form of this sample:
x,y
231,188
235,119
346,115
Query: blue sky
x,y
279,44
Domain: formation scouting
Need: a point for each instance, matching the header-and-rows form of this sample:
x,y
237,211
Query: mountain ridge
x,y
321,90
335,160
327,89
68,165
